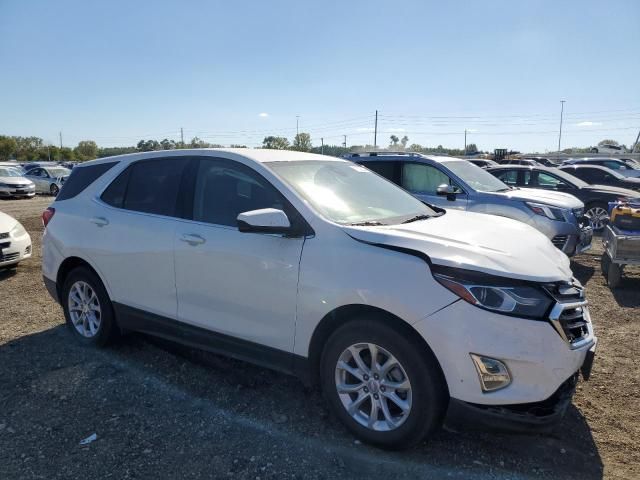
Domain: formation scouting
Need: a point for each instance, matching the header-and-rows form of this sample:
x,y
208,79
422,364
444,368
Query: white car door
x,y
130,235
242,285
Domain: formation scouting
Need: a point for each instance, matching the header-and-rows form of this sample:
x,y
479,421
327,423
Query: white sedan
x,y
14,184
15,242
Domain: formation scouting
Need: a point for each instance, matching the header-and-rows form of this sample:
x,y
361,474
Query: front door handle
x,y
192,239
100,221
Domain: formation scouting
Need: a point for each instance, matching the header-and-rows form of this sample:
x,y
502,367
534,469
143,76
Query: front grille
x,y
4,235
9,256
559,241
570,315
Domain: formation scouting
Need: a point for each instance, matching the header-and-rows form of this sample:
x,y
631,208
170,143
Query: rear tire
x,y
54,189
87,308
393,407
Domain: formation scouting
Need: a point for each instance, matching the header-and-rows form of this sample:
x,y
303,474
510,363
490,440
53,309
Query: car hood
x,y
6,223
622,192
554,199
15,180
474,241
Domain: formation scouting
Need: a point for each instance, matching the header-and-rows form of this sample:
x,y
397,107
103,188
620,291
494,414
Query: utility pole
x,y
297,125
182,136
560,133
60,134
375,133
465,141
345,141
322,145
635,144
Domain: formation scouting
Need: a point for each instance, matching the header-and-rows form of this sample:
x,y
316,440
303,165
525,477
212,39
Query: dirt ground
x,y
160,411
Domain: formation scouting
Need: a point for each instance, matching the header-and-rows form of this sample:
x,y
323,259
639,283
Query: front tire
x,y
87,308
597,212
382,383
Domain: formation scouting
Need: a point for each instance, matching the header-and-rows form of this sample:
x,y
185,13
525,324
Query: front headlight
x,y
18,231
5,185
554,213
498,294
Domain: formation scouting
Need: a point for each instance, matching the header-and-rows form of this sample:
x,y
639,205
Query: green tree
x,y
86,150
607,141
302,142
27,148
472,148
167,144
404,141
394,141
275,143
416,147
66,154
8,147
112,151
148,145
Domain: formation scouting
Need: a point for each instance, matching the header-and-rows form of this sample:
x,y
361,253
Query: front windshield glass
x,y
10,172
58,172
350,194
476,177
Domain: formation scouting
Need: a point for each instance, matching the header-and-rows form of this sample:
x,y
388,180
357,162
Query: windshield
x,y
10,172
567,177
58,172
350,194
476,177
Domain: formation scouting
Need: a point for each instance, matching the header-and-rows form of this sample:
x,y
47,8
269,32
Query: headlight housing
x,y
497,294
554,213
18,231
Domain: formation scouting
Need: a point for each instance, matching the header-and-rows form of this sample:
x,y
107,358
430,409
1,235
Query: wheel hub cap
x,y
84,309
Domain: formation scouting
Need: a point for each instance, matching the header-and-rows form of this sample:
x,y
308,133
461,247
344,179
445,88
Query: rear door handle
x,y
192,239
100,221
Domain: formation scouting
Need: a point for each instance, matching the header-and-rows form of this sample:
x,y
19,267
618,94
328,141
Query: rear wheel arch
x,y
342,315
67,266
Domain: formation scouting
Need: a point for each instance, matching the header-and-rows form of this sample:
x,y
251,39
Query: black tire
x,y
605,263
614,275
54,189
428,387
108,329
594,150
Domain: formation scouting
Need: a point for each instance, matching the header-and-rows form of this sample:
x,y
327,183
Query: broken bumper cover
x,y
525,417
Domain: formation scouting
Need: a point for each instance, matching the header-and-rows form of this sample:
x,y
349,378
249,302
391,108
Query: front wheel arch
x,y
340,316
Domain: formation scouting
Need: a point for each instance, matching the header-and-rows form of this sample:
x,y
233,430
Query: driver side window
x,y
224,190
422,178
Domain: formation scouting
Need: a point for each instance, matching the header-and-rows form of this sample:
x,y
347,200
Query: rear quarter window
x,y
81,178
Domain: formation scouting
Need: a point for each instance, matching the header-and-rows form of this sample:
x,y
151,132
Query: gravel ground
x,y
162,411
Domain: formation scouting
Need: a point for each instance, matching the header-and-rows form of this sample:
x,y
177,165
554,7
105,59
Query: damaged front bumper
x,y
523,417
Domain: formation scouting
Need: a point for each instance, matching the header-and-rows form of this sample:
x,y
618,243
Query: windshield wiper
x,y
416,218
366,224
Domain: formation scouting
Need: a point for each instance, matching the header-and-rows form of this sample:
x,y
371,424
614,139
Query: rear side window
x,y
388,170
149,186
81,178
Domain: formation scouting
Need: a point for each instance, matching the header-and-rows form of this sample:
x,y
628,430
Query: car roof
x,y
588,165
259,155
401,156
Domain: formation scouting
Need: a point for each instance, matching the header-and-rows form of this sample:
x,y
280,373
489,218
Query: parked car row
x,y
319,267
26,181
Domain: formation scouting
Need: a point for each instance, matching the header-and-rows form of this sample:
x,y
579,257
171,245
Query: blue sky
x,y
119,71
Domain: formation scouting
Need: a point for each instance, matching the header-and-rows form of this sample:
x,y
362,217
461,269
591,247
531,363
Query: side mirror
x,y
447,190
265,220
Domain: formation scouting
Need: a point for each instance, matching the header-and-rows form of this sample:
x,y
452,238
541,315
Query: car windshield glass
x,y
350,194
9,172
58,172
476,177
568,178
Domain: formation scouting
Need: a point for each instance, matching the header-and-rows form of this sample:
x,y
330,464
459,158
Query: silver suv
x,y
449,182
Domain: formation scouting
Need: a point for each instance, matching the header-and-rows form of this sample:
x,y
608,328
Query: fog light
x,y
493,374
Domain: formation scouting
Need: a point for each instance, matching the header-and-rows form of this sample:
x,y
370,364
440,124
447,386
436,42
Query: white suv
x,y
318,267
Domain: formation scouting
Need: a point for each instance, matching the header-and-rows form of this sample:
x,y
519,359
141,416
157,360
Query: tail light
x,y
47,215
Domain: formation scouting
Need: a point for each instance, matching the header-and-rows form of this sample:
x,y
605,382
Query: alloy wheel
x,y
373,387
597,216
84,309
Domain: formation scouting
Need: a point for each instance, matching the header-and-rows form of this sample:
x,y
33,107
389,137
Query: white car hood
x,y
475,241
15,180
555,199
6,223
